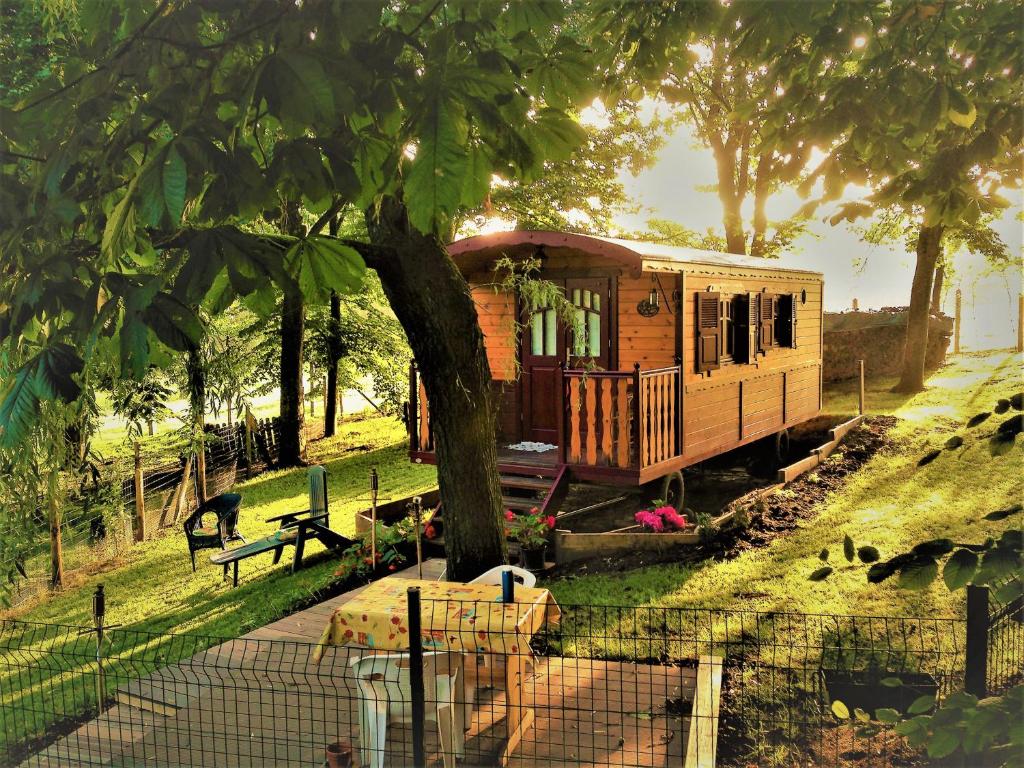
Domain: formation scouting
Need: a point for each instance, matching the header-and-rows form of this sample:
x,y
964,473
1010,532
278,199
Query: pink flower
x,y
674,519
670,517
534,511
550,521
510,515
649,520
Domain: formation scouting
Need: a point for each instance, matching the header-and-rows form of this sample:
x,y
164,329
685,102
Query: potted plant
x,y
531,531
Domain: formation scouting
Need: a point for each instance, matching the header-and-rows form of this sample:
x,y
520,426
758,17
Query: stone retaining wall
x,y
878,339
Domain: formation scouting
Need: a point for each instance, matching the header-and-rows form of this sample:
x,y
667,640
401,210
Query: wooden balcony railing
x,y
620,419
596,426
421,438
658,415
615,419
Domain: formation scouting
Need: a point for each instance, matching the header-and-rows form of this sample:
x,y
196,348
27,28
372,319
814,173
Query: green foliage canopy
x,y
134,170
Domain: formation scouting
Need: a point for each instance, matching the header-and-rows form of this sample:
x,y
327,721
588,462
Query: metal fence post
x,y
99,610
976,668
416,678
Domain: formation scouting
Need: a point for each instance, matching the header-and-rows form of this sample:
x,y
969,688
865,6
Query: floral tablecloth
x,y
453,617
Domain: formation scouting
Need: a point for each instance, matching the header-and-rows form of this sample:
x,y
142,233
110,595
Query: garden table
x,y
468,618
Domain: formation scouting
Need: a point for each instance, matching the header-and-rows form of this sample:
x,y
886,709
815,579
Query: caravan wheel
x,y
673,490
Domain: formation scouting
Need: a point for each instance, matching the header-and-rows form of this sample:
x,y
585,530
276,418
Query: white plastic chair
x,y
493,576
385,695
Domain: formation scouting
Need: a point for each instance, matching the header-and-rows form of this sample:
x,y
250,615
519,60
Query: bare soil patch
x,y
728,481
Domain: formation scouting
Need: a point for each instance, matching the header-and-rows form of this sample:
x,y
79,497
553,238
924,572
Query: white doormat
x,y
528,446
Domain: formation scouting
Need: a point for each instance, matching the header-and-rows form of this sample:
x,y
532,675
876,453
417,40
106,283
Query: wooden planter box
x,y
393,511
570,546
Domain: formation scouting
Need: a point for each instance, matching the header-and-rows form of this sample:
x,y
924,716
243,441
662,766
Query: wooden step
x,y
539,484
529,470
519,503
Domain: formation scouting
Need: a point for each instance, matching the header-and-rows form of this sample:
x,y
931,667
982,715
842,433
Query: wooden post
x,y
201,470
140,497
956,325
374,486
249,421
976,664
560,414
417,510
860,390
56,540
638,427
414,409
1020,322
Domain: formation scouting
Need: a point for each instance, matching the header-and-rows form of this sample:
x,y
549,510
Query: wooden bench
x,y
294,533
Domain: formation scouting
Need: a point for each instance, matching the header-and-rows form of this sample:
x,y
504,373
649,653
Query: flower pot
x,y
340,754
532,558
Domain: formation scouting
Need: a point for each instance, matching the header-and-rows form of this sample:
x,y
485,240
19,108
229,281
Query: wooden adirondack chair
x,y
313,522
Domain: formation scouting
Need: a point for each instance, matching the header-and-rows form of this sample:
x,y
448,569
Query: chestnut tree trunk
x,y
293,311
929,249
432,301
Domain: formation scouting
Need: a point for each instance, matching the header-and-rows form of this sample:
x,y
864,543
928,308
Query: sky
x,y
877,276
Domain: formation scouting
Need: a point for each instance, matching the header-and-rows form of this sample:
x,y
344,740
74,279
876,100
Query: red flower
x,y
550,521
429,532
392,567
534,511
510,515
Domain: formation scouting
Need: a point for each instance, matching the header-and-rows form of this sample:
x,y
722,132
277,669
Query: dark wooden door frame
x,y
526,366
560,277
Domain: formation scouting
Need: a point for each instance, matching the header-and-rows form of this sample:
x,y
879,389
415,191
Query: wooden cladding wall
x,y
762,405
776,358
649,341
496,314
598,415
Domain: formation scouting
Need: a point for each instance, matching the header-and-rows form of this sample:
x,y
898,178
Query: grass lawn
x,y
891,504
152,588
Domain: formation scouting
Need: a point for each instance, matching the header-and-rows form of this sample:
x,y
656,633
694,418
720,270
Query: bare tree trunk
x,y
333,357
929,249
758,241
432,302
292,445
732,218
940,277
197,406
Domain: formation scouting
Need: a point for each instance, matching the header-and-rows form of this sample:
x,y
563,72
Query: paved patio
x,y
260,701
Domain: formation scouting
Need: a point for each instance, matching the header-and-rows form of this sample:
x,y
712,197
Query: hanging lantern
x,y
650,306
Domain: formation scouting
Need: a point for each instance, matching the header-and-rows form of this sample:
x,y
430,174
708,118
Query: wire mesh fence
x,y
594,685
102,514
1005,640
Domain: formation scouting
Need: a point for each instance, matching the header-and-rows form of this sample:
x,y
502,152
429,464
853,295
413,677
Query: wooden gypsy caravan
x,y
684,354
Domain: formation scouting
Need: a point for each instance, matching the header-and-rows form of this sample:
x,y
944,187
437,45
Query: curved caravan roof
x,y
475,253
